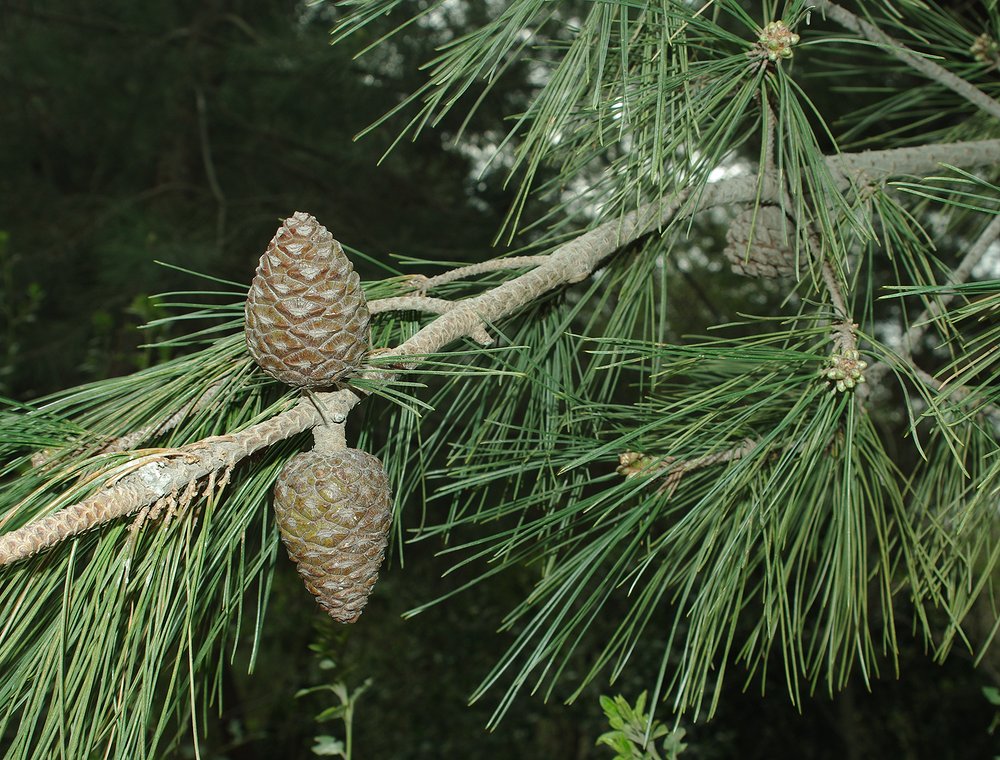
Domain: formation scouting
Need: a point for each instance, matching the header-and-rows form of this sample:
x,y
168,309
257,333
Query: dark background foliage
x,y
182,132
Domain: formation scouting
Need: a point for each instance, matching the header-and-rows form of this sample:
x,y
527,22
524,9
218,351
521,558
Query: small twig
x,y
678,471
922,323
410,303
925,66
422,284
131,440
845,337
959,392
959,274
770,136
633,463
847,368
425,303
833,288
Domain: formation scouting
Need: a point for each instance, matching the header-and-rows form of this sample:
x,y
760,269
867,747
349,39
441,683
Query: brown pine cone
x,y
334,511
306,315
768,253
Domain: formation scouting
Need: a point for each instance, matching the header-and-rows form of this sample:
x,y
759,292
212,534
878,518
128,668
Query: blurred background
x,y
182,132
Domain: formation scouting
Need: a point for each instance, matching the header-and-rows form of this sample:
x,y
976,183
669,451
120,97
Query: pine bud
x,y
845,369
334,511
306,315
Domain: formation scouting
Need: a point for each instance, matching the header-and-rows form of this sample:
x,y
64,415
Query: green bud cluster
x,y
845,370
775,42
984,49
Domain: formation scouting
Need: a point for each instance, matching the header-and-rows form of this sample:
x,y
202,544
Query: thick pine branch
x,y
153,477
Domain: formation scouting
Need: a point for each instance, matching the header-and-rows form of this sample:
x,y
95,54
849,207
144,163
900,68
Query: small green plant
x,y
19,306
992,694
634,734
330,746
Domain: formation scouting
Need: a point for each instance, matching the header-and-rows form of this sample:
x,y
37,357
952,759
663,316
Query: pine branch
x,y
632,463
835,291
152,477
928,68
136,437
919,160
410,303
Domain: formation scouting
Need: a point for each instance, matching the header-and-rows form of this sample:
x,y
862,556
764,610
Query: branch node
x,y
481,336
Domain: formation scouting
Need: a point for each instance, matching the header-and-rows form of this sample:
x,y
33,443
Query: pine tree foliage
x,y
791,487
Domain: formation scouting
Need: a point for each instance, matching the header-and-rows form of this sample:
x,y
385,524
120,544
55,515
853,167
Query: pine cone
x,y
306,315
768,254
334,511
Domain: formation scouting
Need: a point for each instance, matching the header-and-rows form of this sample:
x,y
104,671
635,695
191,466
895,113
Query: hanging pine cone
x,y
768,253
306,315
334,511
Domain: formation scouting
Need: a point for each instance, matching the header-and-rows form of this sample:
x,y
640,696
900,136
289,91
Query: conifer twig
x,y
958,275
410,303
925,66
422,284
833,288
136,437
676,471
922,323
672,469
960,393
159,475
427,304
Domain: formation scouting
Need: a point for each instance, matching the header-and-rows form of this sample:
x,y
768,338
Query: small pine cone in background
x,y
334,511
768,253
306,315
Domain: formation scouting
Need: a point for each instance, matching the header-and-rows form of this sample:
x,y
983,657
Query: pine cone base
x,y
334,511
306,314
